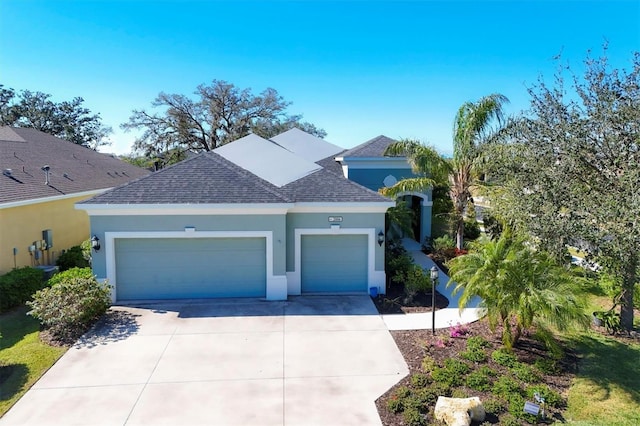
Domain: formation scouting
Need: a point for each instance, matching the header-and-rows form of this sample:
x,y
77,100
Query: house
x,y
367,165
42,179
253,218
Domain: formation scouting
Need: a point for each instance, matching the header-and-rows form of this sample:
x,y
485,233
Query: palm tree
x,y
520,288
471,131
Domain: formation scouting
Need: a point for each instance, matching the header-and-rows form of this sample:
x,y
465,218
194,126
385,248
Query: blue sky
x,y
358,69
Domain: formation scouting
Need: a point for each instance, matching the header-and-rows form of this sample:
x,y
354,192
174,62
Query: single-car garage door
x,y
179,268
334,263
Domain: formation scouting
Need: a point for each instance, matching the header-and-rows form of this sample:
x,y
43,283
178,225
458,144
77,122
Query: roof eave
x,y
184,209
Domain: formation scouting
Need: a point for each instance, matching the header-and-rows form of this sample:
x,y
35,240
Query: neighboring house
x,y
367,165
42,179
253,218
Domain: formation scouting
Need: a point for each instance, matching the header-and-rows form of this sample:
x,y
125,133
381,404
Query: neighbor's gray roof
x,y
73,168
372,148
207,178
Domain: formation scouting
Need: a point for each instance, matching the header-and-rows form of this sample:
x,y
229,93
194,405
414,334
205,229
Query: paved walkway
x,y
444,317
312,360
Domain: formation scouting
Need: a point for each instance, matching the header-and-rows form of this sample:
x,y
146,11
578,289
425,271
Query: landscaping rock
x,y
459,411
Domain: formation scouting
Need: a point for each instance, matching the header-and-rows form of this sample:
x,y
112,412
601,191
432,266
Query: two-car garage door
x,y
176,268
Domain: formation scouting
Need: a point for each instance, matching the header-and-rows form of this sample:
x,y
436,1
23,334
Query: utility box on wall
x,y
47,236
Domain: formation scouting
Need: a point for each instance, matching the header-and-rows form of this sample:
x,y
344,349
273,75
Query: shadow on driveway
x,y
114,326
343,305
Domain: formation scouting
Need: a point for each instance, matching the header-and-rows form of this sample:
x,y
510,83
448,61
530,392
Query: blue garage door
x,y
334,263
184,268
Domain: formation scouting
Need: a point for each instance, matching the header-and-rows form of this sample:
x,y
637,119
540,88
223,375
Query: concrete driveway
x,y
308,361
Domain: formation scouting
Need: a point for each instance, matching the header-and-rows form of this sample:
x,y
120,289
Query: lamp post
x,y
434,280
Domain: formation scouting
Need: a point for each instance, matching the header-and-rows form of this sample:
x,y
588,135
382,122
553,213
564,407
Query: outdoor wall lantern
x,y
95,243
434,281
380,238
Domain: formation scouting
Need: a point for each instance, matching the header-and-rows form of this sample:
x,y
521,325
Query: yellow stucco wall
x,y
21,226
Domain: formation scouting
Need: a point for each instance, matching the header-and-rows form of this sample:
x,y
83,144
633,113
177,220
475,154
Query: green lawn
x,y
606,390
23,357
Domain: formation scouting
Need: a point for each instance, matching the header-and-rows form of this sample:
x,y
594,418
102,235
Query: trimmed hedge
x,y
72,258
19,285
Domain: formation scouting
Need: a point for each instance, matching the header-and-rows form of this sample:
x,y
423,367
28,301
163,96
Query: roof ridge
x,y
361,147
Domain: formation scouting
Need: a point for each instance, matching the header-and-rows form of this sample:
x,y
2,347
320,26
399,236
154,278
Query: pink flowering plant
x,y
458,330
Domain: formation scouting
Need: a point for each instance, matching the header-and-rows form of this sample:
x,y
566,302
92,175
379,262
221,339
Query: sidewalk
x,y
444,317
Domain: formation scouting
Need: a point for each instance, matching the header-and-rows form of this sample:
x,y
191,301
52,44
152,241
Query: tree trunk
x,y
626,296
460,233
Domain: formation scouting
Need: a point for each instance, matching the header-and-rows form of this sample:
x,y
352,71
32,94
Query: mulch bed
x,y
416,344
394,302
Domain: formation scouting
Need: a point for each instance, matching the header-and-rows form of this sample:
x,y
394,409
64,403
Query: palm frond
x,y
408,185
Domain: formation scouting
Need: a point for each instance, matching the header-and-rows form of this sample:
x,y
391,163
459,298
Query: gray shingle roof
x,y
331,164
211,178
326,186
73,168
372,148
207,178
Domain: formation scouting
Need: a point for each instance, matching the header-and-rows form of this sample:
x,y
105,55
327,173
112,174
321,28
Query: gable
x,y
305,145
267,160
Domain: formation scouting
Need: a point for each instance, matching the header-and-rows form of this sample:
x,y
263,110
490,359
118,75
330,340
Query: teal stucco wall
x,y
274,223
373,178
321,220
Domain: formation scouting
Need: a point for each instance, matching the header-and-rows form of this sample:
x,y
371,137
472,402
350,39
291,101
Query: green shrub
x,y
471,230
397,264
474,355
551,397
506,386
504,357
70,305
457,366
72,258
70,274
516,404
416,280
412,417
479,381
509,420
428,364
18,286
477,343
494,405
395,405
428,395
443,243
459,393
524,372
414,402
420,380
402,392
451,374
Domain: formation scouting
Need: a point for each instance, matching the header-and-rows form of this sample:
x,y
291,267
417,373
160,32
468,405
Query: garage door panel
x,y
334,263
162,268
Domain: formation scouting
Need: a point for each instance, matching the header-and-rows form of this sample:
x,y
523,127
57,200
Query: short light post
x,y
434,281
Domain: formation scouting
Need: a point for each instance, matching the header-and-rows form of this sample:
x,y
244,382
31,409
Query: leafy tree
x,y
471,131
519,287
569,173
219,113
68,120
